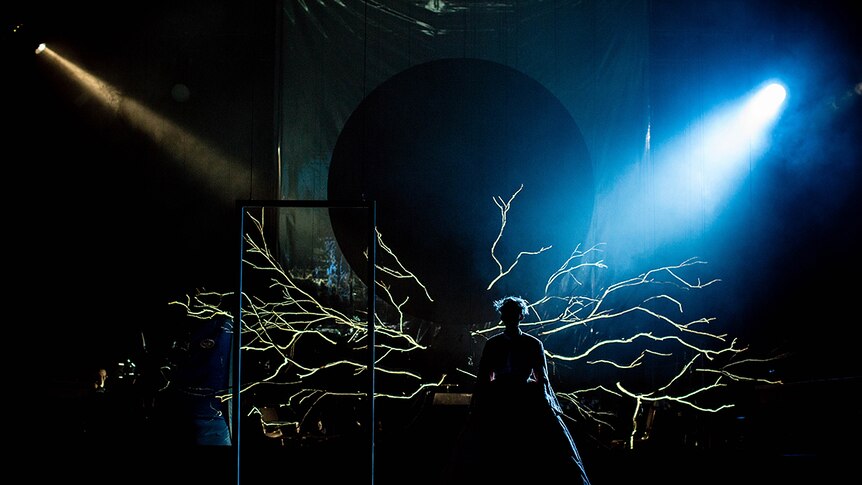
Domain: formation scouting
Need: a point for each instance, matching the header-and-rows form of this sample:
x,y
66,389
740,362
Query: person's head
x,y
512,309
101,377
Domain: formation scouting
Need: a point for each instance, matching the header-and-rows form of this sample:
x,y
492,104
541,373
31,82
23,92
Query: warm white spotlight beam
x,y
214,170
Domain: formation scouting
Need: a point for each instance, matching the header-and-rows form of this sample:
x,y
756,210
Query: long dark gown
x,y
516,428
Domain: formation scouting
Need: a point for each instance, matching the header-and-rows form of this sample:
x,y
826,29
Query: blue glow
x,y
763,107
684,184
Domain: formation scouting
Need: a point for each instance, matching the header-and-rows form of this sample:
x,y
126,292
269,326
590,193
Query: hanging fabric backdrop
x,y
436,110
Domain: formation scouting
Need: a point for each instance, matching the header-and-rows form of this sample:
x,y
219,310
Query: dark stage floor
x,y
409,462
795,442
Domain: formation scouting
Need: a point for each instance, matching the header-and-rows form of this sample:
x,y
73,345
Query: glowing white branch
x,y
504,209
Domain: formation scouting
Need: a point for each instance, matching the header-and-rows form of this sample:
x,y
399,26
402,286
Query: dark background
x,y
105,230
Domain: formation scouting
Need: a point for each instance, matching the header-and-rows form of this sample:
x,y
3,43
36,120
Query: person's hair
x,y
513,302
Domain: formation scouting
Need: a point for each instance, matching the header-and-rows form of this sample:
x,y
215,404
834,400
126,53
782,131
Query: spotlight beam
x,y
215,171
691,177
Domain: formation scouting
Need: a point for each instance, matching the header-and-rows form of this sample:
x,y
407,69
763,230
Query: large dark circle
x,y
434,146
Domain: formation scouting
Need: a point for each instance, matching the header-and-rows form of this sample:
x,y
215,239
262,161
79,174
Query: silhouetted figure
x,y
100,411
100,381
514,412
202,374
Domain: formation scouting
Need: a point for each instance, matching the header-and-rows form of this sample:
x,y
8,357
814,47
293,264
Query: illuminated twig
x,y
605,334
569,269
402,272
504,209
606,338
285,330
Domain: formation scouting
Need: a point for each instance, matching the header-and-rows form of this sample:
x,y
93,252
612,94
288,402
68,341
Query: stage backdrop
x,y
499,138
435,110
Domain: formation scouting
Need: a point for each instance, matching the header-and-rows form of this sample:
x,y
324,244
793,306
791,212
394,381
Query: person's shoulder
x,y
532,339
